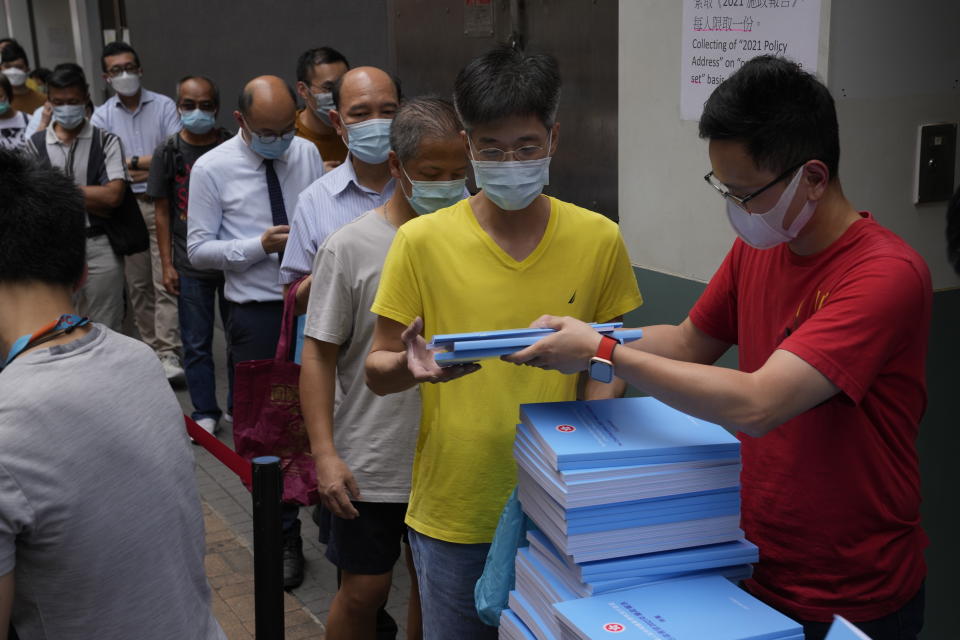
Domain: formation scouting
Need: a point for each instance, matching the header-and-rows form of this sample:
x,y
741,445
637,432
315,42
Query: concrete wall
x,y
233,41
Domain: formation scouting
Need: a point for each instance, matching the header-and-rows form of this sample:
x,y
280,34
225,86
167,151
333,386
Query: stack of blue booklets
x,y
459,348
685,609
613,478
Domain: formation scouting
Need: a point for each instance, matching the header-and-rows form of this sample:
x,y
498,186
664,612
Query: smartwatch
x,y
135,163
601,365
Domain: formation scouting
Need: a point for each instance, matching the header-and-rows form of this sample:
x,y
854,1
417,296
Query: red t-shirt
x,y
832,497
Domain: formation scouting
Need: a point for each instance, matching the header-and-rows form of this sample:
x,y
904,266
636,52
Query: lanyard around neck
x,y
64,324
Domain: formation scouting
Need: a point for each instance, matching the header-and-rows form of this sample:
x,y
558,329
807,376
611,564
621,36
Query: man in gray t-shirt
x,y
363,443
101,531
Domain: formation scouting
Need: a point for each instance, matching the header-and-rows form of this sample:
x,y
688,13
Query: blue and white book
x,y
531,617
843,629
463,351
442,339
512,628
686,609
622,431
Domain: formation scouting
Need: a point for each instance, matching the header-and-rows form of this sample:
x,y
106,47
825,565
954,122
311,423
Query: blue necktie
x,y
277,207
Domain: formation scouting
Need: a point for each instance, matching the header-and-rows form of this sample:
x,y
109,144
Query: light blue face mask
x,y
4,107
324,106
428,196
271,150
512,184
370,140
70,116
197,121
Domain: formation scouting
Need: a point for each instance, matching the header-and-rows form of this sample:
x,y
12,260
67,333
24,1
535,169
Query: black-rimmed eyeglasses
x,y
724,191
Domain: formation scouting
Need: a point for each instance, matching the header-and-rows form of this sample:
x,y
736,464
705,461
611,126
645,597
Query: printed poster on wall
x,y
720,35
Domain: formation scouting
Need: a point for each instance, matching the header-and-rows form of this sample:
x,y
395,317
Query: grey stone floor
x,y
226,495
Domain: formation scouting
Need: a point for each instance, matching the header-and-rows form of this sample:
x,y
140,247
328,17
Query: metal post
x,y
267,549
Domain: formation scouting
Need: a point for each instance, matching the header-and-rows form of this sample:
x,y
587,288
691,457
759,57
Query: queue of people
x,y
359,200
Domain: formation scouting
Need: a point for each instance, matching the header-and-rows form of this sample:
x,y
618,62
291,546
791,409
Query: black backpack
x,y
125,228
176,166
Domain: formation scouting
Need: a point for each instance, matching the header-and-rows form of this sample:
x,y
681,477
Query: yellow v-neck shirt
x,y
445,268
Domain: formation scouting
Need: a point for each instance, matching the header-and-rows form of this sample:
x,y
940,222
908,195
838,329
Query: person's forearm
x,y
387,372
225,255
162,218
595,390
317,389
303,295
143,162
102,200
726,397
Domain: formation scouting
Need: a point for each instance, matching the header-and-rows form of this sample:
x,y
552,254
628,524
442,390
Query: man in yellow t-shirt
x,y
493,261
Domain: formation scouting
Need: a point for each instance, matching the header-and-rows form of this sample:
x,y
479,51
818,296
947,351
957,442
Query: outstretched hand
x,y
569,350
421,361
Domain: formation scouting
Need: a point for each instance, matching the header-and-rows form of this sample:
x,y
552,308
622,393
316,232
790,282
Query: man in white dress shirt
x,y
240,194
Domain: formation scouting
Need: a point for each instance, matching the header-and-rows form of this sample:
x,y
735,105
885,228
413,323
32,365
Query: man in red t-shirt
x,y
831,314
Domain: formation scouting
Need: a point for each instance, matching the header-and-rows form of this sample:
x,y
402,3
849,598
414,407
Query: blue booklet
x,y
460,352
685,609
510,333
636,430
843,629
513,627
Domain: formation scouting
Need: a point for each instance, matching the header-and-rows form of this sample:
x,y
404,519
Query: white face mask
x,y
17,77
765,230
126,84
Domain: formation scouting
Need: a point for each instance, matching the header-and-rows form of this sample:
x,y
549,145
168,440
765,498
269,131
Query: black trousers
x,y
903,624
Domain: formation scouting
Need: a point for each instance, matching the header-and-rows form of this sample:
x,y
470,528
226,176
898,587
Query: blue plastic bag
x,y
498,579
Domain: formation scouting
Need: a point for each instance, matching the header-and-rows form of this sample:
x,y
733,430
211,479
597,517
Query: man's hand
x,y
568,351
171,280
45,116
336,486
421,362
138,175
274,239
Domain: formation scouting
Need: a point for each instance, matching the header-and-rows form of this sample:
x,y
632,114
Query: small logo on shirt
x,y
572,298
566,428
613,627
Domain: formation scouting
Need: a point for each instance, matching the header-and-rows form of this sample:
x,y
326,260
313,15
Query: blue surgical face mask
x,y
324,106
197,121
512,184
4,107
70,116
271,150
428,196
370,140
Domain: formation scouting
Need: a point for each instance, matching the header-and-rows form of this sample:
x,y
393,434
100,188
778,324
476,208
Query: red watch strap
x,y
605,349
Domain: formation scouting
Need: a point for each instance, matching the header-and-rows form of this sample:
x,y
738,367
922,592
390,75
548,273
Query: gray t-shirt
x,y
374,435
99,514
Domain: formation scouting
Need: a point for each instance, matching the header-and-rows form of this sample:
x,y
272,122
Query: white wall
x,y
890,65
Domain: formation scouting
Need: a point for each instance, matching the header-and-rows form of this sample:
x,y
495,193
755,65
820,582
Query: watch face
x,y
601,370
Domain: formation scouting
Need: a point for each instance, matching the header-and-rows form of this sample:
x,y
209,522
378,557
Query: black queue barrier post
x,y
267,548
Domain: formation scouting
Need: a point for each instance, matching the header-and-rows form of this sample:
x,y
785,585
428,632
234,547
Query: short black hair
x,y
213,86
6,88
782,114
507,82
339,83
13,51
419,119
66,75
245,100
312,57
116,48
39,207
40,73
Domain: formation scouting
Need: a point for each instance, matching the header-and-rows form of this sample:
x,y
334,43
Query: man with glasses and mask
x,y
489,262
317,72
142,119
366,99
68,144
240,196
196,290
831,314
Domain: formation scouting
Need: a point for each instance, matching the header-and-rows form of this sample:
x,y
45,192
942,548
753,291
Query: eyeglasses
x,y
724,191
492,154
113,72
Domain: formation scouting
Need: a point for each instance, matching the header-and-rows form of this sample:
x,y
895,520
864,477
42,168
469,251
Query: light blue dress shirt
x,y
328,204
154,120
230,209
